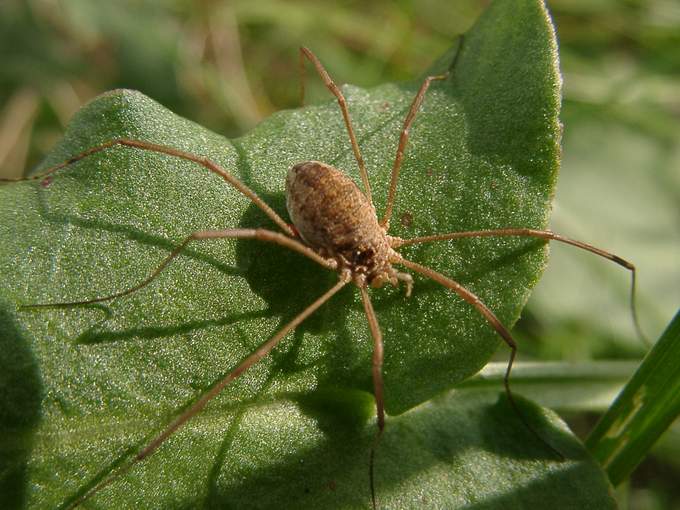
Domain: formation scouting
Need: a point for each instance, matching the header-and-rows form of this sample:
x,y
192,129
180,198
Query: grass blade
x,y
645,408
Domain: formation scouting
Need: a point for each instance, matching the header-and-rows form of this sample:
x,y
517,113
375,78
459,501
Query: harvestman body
x,y
334,224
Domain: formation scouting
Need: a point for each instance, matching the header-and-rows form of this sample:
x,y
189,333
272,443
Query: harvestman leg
x,y
237,233
491,318
462,291
162,149
378,355
403,140
259,234
305,52
547,235
215,390
488,314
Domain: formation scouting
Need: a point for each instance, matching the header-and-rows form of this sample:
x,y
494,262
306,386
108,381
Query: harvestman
x,y
335,225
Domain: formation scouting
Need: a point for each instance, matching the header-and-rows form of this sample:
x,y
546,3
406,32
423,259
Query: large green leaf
x,y
86,385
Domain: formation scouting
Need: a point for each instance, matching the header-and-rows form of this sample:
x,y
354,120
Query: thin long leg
x,y
137,144
215,390
238,233
494,322
542,234
403,140
378,355
305,52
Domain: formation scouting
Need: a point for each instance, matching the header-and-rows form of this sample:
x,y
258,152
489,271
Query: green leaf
x,y
87,386
644,409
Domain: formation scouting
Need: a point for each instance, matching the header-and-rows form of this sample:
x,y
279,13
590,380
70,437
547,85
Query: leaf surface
x,y
86,387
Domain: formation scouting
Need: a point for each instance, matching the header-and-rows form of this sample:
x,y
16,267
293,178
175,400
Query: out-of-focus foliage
x,y
225,64
228,64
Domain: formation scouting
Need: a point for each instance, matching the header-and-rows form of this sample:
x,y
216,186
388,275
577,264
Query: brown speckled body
x,y
336,219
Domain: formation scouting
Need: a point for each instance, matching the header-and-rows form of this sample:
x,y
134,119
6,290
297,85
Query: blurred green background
x,y
227,65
